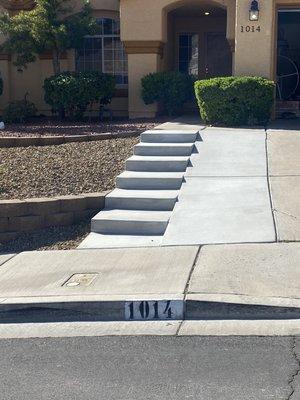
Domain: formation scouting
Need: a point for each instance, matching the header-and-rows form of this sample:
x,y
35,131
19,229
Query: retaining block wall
x,y
26,141
18,216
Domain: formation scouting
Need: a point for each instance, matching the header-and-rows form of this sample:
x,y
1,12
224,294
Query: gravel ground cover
x,y
71,168
54,238
51,127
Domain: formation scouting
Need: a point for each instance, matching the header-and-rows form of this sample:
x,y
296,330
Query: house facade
x,y
205,38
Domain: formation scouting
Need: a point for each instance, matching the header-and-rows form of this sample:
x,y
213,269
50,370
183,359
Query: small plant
x,y
172,89
233,101
70,93
19,111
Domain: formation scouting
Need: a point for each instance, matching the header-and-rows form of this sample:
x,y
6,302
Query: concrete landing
x,y
229,152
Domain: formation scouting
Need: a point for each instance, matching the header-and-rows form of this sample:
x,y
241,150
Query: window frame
x,y
190,34
103,36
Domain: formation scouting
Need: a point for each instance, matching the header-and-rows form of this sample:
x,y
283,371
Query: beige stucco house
x,y
205,38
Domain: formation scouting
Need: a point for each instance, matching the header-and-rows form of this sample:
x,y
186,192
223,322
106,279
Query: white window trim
x,y
102,37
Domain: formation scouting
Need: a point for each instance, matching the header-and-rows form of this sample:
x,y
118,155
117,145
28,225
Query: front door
x,y
218,60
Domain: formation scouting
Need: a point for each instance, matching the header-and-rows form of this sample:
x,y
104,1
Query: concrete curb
x,y
113,308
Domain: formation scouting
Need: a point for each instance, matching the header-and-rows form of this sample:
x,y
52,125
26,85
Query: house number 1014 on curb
x,y
153,310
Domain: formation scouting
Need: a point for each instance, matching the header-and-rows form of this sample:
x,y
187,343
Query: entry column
x,y
255,40
144,57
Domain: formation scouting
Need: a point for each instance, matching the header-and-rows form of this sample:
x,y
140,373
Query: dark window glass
x,y
188,53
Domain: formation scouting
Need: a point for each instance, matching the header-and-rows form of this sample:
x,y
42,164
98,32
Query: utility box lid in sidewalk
x,y
116,273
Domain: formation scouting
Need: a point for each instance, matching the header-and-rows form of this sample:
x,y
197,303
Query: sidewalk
x,y
229,289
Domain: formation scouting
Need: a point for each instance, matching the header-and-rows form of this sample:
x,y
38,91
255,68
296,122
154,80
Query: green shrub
x,y
70,93
172,89
233,101
1,86
19,111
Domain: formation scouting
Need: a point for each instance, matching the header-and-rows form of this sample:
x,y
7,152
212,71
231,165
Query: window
x,y
104,52
188,53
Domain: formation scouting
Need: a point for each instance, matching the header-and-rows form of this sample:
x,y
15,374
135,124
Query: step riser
x,y
140,204
149,183
168,138
156,166
129,227
162,151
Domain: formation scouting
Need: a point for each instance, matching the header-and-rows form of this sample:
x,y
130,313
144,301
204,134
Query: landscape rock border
x,y
19,216
27,141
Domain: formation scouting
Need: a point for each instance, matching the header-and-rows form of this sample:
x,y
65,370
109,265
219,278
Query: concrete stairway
x,y
146,192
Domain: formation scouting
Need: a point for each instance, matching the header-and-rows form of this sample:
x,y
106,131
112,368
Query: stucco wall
x,y
149,22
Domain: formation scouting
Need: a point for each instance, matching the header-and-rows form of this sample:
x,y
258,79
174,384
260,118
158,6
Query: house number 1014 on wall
x,y
250,29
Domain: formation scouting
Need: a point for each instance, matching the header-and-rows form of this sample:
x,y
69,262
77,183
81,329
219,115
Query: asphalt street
x,y
150,368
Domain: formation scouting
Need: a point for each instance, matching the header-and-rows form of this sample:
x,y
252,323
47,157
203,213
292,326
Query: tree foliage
x,y
52,25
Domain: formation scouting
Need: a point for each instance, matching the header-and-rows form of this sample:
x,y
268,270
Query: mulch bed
x,y
52,127
71,168
54,238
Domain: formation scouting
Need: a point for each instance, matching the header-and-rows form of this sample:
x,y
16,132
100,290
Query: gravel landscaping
x,y
54,238
52,127
71,168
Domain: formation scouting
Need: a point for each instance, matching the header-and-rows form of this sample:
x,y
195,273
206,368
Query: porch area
x,y
206,38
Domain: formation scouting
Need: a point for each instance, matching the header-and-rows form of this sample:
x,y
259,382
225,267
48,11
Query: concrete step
x,y
149,180
101,241
131,222
160,200
163,149
164,136
155,163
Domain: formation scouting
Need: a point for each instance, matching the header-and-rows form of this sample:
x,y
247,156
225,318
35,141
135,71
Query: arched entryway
x,y
197,39
192,36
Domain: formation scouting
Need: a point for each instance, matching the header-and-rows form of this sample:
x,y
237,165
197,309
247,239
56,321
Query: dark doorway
x,y
218,56
288,63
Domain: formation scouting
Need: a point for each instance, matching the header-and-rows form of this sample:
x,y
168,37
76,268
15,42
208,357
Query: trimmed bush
x,y
172,89
70,93
233,101
19,111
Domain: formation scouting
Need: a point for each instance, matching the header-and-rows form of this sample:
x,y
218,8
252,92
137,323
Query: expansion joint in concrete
x,y
187,288
270,190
